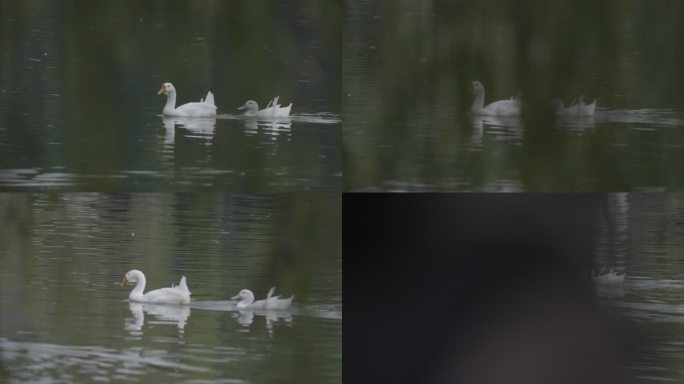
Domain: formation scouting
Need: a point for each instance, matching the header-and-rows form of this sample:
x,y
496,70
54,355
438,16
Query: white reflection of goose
x,y
199,126
251,124
170,130
272,128
165,314
511,125
245,317
276,128
136,322
576,124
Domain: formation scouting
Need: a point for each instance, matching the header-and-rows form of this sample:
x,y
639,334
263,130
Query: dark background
x,y
429,279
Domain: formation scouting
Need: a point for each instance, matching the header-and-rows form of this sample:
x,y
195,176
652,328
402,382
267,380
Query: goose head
x,y
477,87
250,106
245,295
167,89
131,276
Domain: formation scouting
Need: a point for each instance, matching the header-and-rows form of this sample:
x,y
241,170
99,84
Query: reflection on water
x,y
245,317
177,315
162,314
502,128
610,291
198,127
43,362
233,154
281,126
639,149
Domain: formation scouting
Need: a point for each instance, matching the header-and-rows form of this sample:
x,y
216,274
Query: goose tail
x,y
210,99
184,284
591,107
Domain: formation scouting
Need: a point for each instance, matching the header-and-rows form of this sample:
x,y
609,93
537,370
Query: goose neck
x,y
139,288
170,103
478,104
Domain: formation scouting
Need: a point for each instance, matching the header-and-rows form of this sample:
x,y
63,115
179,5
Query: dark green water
x,y
79,110
406,106
64,318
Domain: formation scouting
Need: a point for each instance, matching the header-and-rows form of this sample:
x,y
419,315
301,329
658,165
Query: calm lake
x,y
79,109
407,106
64,318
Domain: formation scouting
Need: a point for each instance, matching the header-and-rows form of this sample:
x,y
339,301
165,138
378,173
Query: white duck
x,y
203,108
273,109
578,109
510,107
246,298
179,294
610,279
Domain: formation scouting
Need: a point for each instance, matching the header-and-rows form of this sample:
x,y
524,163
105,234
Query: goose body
x,y
610,279
511,107
179,294
204,108
577,109
273,109
246,300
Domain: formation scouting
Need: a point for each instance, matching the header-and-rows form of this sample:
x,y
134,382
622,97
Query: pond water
x,y
64,318
643,236
79,109
407,123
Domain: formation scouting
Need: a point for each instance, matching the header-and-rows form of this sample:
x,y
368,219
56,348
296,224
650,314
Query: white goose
x,y
246,298
510,107
273,109
204,108
578,109
179,294
611,279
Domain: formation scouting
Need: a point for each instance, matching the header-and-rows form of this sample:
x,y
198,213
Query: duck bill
x,y
161,90
241,108
124,281
235,297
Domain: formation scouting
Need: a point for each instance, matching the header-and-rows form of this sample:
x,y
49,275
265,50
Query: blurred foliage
x,y
407,69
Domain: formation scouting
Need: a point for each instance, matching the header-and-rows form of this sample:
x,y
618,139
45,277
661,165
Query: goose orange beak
x,y
161,90
124,281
